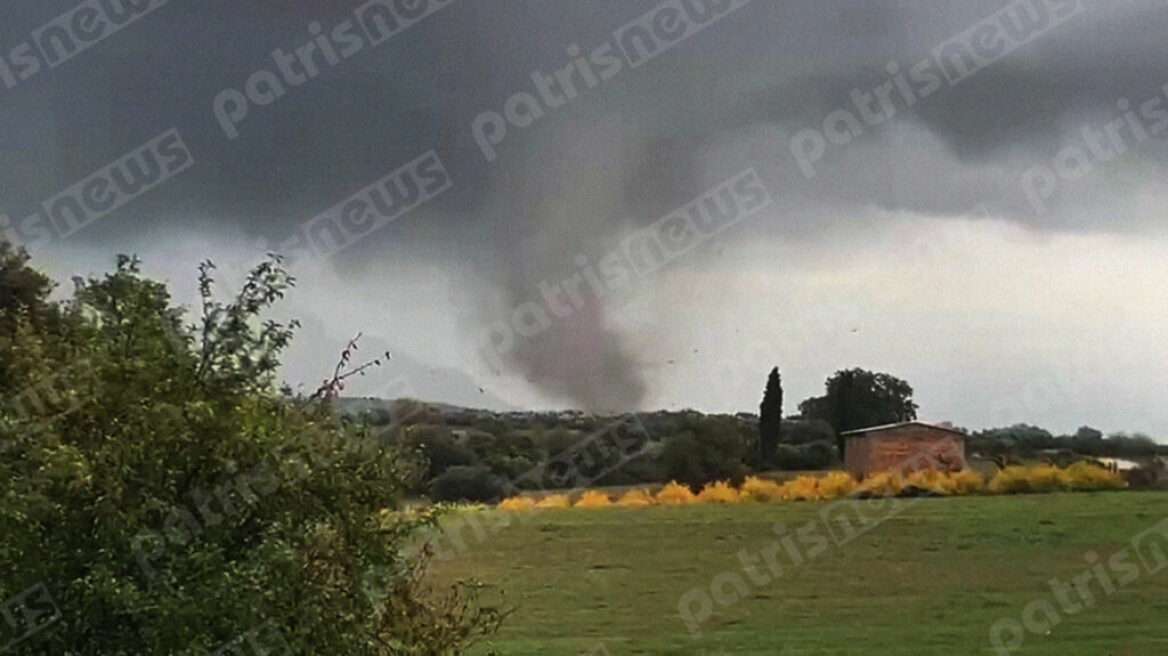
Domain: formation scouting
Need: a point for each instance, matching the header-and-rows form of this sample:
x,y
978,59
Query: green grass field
x,y
932,579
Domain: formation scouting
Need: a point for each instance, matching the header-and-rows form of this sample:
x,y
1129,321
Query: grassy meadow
x,y
931,579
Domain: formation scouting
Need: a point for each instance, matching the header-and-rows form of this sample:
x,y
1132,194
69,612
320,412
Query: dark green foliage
x,y
705,452
856,398
770,417
510,468
439,448
467,484
806,457
807,431
1026,441
559,440
171,499
647,468
23,290
481,443
1088,434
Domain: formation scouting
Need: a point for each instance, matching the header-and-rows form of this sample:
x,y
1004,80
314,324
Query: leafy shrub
x,y
466,484
806,431
762,490
674,494
593,499
440,449
720,492
482,444
510,468
836,485
1086,476
645,468
811,456
706,452
1019,479
635,498
1045,478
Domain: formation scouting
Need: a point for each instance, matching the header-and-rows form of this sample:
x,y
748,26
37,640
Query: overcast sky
x,y
969,195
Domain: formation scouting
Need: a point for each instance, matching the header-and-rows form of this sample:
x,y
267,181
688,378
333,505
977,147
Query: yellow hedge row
x,y
1045,478
838,484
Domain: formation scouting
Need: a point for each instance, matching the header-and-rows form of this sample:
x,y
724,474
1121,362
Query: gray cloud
x,y
616,157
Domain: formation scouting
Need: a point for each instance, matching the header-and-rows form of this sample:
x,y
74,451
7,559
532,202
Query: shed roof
x,y
873,429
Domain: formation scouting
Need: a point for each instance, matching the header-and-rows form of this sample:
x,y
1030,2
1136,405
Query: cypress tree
x,y
770,417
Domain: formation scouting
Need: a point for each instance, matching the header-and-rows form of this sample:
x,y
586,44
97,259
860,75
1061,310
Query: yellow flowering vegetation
x,y
930,479
517,503
1018,479
835,485
675,494
761,489
554,501
593,499
968,481
1085,476
804,488
634,498
720,492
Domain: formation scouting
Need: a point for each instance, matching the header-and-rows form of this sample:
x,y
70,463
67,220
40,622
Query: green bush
x,y
439,448
806,457
467,484
806,431
697,458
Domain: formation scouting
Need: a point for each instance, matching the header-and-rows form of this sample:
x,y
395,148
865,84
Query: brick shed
x,y
911,445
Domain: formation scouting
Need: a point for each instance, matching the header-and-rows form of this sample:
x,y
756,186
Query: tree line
x,y
476,455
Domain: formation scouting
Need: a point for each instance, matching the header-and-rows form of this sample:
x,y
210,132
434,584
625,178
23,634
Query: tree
x,y
21,286
770,417
806,431
1087,434
856,398
169,498
460,483
706,451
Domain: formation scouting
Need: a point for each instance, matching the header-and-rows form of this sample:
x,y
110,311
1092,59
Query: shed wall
x,y
913,446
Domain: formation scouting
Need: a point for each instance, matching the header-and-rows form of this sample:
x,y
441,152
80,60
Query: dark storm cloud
x,y
617,155
784,63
